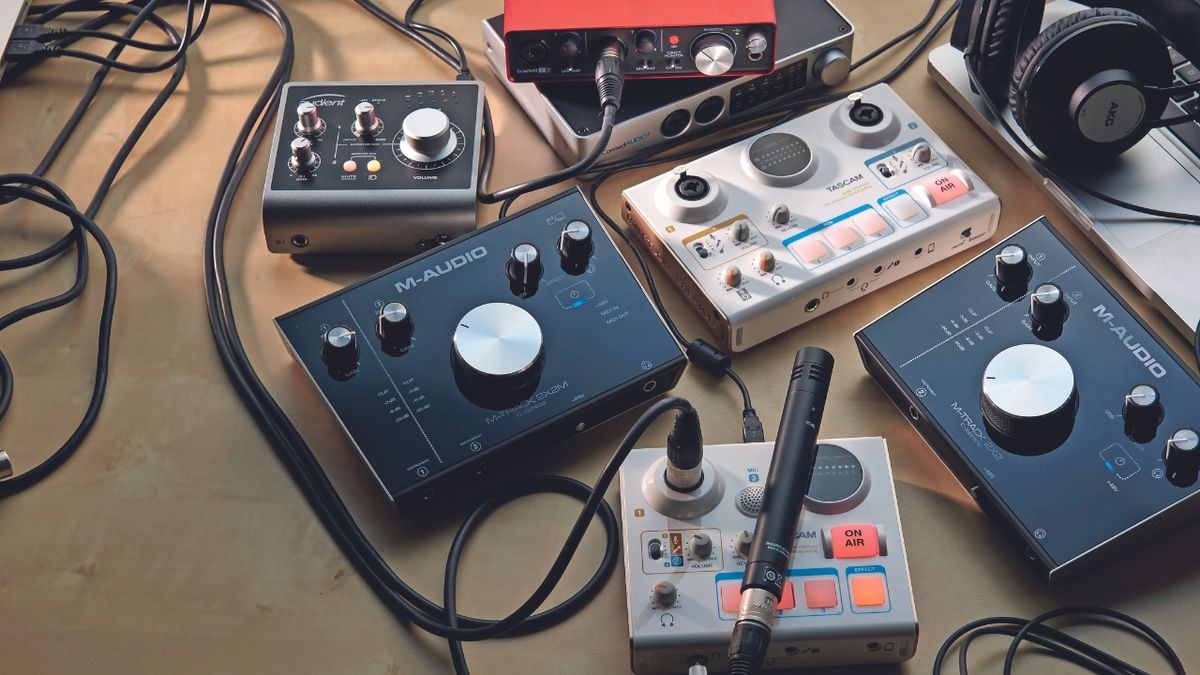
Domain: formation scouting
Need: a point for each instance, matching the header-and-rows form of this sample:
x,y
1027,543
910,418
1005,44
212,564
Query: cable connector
x,y
708,358
752,427
35,32
6,470
610,74
685,452
19,51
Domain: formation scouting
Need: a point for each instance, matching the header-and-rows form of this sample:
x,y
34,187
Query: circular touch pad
x,y
780,159
839,481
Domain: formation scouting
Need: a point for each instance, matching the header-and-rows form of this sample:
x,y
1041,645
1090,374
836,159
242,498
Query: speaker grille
x,y
749,500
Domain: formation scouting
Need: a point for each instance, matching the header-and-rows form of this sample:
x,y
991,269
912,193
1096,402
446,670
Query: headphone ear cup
x,y
1052,69
1002,26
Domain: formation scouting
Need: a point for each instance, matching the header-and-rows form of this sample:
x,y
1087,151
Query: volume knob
x,y
665,594
700,545
832,67
1029,397
428,136
1182,457
498,354
713,53
339,350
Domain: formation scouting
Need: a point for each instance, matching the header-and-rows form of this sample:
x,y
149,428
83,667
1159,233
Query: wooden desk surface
x,y
175,542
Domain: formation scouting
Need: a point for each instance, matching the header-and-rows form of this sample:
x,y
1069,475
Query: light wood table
x,y
174,542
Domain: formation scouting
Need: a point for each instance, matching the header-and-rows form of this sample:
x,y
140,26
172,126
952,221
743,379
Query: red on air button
x,y
731,596
868,590
852,541
820,594
944,188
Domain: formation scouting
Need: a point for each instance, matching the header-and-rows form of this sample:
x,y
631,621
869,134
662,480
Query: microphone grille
x,y
749,500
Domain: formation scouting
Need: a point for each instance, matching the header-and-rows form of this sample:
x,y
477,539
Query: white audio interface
x,y
848,599
784,226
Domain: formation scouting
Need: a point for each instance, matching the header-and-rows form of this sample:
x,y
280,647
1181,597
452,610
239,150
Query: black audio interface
x,y
361,167
1060,411
515,337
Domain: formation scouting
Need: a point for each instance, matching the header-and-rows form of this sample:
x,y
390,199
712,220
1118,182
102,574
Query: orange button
x,y
731,596
868,590
788,601
842,236
820,594
809,250
870,223
854,541
946,187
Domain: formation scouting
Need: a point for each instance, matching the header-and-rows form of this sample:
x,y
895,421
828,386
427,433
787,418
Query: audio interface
x,y
1065,417
512,338
848,599
813,49
551,40
789,224
369,167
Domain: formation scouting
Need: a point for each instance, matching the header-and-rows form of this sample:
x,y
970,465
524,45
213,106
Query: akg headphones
x,y
1090,85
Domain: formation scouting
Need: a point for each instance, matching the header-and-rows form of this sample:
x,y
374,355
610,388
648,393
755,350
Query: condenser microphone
x,y
775,531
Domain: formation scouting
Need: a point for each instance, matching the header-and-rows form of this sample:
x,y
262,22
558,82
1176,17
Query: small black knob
x,y
575,242
1143,412
524,269
339,350
1048,306
1182,457
394,325
1013,272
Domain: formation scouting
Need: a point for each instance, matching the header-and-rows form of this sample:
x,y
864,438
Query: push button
x,y
943,188
820,594
810,250
852,541
868,590
842,237
870,223
731,596
788,601
904,209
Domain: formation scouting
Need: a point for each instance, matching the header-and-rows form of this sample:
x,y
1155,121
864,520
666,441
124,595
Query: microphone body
x,y
787,484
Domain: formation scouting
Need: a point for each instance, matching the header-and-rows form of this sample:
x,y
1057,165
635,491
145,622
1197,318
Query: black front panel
x,y
407,410
931,354
337,143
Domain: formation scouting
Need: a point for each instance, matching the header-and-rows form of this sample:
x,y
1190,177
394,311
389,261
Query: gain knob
x,y
665,594
394,326
766,261
832,67
310,123
921,153
427,136
575,242
741,543
339,350
732,276
524,269
1013,272
781,214
366,122
1048,306
1143,412
713,53
1029,397
303,159
741,231
497,354
1182,457
700,545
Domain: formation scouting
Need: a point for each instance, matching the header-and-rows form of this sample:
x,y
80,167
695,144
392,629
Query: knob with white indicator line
x,y
1029,397
304,159
732,276
428,136
921,153
498,353
1142,412
1182,457
310,122
1013,272
781,214
524,269
1048,306
394,326
575,242
741,543
713,53
366,122
741,231
339,350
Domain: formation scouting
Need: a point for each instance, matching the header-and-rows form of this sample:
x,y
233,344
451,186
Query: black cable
x,y
1056,643
192,31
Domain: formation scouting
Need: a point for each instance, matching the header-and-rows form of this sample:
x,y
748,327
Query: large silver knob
x,y
497,353
832,67
428,136
366,122
1029,396
713,53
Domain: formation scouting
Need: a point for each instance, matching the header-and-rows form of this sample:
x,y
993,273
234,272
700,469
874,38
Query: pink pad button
x,y
946,187
870,223
731,596
842,236
809,250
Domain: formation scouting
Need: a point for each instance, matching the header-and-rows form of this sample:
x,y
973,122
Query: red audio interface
x,y
551,40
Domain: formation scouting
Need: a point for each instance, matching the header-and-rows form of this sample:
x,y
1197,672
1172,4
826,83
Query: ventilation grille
x,y
749,500
811,371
